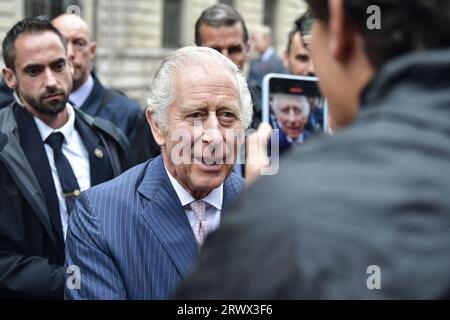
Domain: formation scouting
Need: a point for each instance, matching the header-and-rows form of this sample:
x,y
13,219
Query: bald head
x,y
80,49
72,22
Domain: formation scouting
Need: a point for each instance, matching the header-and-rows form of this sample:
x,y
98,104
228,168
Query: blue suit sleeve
x,y
87,253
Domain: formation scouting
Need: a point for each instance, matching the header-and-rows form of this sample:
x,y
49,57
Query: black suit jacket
x,y
31,237
144,145
113,106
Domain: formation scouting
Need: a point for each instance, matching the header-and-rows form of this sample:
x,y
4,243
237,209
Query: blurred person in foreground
x,y
364,214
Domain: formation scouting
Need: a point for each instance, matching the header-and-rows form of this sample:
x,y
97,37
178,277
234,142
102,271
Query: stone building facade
x,y
134,35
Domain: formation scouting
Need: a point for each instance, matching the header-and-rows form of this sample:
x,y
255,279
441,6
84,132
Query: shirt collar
x,y
79,96
214,198
67,129
266,55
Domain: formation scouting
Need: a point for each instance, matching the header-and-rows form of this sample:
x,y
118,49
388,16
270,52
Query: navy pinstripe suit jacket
x,y
131,238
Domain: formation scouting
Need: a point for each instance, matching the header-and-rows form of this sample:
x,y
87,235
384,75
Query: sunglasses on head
x,y
304,25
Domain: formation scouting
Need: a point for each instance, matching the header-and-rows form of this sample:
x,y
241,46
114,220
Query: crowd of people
x,y
103,199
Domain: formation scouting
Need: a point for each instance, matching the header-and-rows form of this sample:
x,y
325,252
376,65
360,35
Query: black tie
x,y
69,183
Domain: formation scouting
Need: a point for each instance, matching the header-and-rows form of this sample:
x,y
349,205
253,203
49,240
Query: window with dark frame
x,y
172,24
48,8
270,6
228,2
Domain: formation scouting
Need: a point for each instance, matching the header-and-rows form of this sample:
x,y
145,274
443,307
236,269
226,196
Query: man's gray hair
x,y
162,94
278,98
263,30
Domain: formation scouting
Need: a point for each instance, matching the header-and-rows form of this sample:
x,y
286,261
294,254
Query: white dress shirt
x,y
79,96
75,151
266,55
213,210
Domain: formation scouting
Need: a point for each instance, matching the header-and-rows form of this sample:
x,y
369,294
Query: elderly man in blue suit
x,y
137,236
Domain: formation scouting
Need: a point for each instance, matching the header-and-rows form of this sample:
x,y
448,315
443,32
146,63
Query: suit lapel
x,y
92,104
99,164
33,147
166,217
231,188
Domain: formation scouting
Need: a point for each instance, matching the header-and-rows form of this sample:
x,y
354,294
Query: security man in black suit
x,y
49,153
88,94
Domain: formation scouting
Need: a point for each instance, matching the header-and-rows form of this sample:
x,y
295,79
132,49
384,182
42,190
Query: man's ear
x,y
286,59
341,35
247,49
248,45
157,131
93,49
71,68
10,78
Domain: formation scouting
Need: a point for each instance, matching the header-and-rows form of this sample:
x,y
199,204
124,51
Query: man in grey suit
x,y
364,214
268,61
137,236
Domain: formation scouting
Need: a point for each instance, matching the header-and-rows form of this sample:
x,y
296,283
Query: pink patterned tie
x,y
201,225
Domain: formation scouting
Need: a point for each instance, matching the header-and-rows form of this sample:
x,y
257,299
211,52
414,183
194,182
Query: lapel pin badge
x,y
98,153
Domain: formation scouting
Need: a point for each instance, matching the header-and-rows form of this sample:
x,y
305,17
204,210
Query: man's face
x,y
291,113
227,40
299,61
259,42
206,117
42,74
80,50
